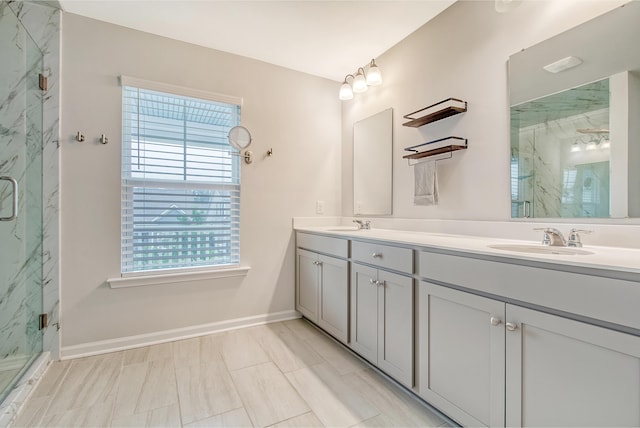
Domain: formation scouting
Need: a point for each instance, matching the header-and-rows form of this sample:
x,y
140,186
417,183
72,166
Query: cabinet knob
x,y
376,255
511,326
496,321
379,283
372,281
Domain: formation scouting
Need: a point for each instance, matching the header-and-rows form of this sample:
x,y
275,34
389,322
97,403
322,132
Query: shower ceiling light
x,y
504,6
361,81
563,64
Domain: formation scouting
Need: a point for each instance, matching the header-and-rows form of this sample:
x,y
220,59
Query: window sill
x,y
173,278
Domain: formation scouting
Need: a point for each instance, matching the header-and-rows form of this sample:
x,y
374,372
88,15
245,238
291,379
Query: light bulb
x,y
591,145
374,77
345,91
605,144
359,82
575,147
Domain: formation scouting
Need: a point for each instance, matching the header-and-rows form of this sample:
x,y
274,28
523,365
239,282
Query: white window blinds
x,y
180,182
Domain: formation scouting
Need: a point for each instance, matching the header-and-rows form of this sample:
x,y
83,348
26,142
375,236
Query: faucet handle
x,y
574,237
363,224
552,236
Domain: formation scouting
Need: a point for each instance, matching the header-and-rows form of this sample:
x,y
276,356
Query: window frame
x,y
128,182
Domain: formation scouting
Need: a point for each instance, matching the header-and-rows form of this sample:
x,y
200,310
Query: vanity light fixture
x,y
346,93
374,77
361,81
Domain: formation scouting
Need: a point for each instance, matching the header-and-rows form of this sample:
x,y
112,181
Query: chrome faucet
x,y
552,237
363,224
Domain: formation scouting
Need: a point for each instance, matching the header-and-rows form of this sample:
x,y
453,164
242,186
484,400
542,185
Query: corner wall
x,y
296,114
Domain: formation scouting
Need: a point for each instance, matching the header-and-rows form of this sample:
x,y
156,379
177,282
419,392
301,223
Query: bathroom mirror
x,y
575,121
239,137
372,162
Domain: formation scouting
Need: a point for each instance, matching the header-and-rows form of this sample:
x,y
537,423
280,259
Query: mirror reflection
x,y
372,163
575,128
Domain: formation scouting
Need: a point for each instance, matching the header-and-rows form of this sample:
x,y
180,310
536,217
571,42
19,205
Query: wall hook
x,y
270,152
80,137
103,139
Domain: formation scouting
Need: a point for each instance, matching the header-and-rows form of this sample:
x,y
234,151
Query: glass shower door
x,y
20,200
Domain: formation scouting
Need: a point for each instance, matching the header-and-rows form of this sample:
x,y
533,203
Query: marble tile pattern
x,y
544,153
43,25
29,142
296,377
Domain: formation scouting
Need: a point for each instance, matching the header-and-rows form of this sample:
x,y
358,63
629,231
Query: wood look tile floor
x,y
285,374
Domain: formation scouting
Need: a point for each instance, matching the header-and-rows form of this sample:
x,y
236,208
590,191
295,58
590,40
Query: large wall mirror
x,y
372,162
575,121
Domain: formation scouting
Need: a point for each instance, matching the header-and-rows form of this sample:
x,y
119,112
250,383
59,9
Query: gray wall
x,y
461,53
296,114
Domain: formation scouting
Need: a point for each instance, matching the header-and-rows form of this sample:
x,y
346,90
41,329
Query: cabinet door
x,y
334,297
461,354
307,284
364,312
562,372
395,326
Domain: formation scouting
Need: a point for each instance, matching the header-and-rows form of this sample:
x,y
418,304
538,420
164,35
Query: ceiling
x,y
324,38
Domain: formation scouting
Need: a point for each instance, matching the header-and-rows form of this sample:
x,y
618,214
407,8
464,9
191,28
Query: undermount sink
x,y
344,229
541,249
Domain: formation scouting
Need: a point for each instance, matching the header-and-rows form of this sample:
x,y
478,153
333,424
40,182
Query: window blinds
x,y
180,182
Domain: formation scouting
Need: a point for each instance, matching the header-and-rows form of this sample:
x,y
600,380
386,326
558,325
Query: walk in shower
x,y
21,200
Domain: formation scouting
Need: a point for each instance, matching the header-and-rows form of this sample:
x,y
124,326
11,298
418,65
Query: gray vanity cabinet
x,y
462,354
563,372
555,371
382,320
322,284
307,286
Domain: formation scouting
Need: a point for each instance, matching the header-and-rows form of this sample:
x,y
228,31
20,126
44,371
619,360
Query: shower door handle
x,y
14,212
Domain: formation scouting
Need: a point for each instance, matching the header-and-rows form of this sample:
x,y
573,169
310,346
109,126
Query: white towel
x,y
426,183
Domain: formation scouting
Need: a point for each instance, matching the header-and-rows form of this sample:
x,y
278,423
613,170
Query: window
x,y
180,179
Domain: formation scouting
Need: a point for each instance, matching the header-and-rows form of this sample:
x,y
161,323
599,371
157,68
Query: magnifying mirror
x,y
239,137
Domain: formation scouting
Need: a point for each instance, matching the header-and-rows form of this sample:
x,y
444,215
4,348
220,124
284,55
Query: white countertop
x,y
607,258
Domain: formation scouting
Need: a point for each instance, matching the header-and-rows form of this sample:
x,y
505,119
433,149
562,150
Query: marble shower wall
x,y
544,156
43,25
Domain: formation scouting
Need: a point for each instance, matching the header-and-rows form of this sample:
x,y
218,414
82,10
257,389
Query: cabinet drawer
x,y
606,299
323,244
385,256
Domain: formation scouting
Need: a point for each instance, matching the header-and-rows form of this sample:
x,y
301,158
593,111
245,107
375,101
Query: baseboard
x,y
129,342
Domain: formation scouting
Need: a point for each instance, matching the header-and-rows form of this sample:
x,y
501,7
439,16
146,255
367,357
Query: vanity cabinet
x,y
461,353
563,372
481,360
322,283
382,320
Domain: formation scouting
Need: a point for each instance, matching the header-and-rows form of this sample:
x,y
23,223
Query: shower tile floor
x,y
285,374
7,376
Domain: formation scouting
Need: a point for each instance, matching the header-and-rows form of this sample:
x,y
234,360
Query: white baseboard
x,y
129,342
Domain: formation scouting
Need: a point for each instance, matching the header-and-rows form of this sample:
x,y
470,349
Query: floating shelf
x,y
438,147
435,112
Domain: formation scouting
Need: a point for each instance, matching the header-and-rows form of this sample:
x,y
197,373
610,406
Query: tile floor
x,y
285,374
